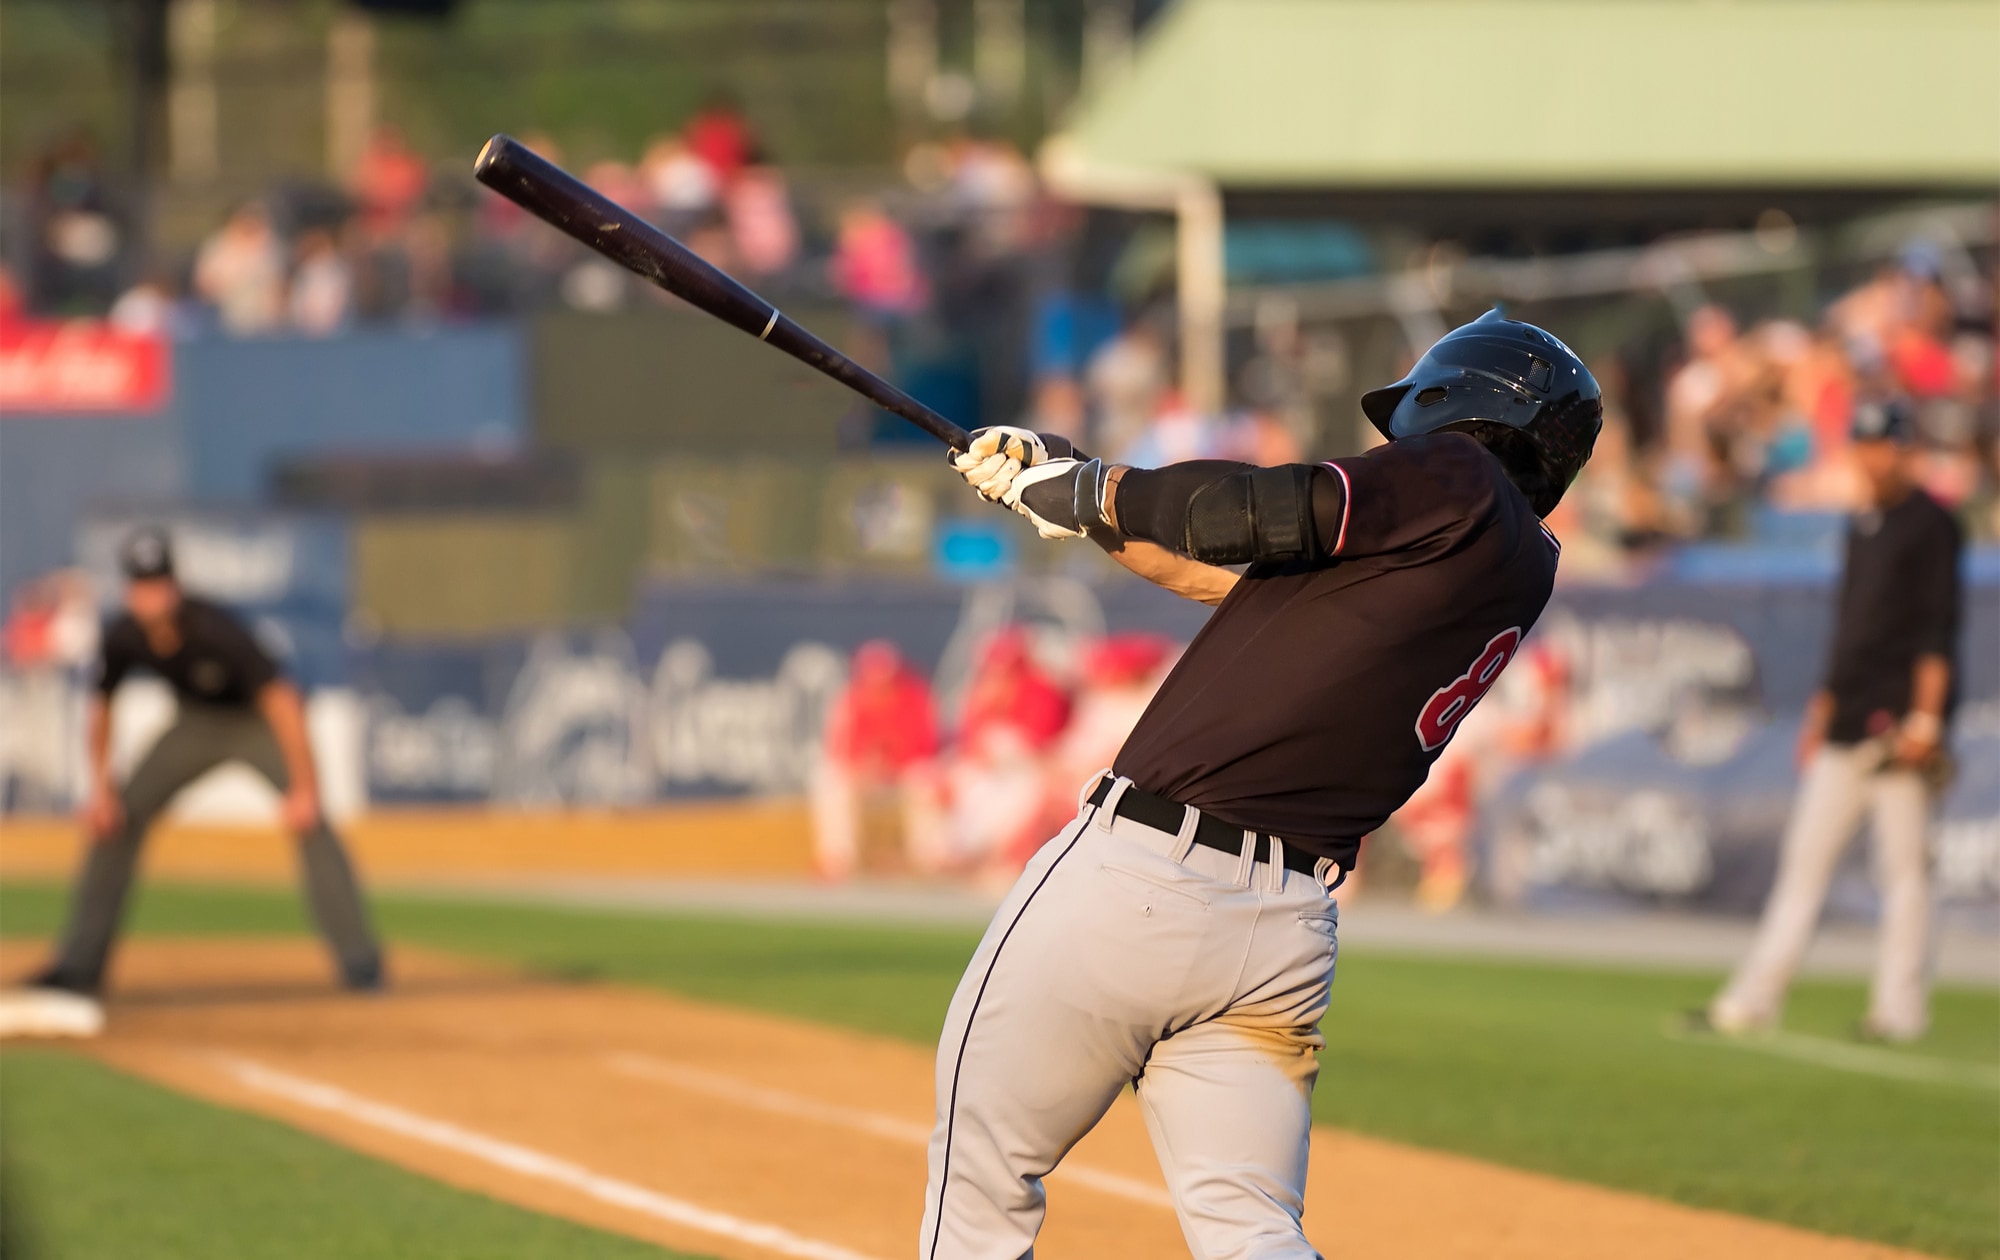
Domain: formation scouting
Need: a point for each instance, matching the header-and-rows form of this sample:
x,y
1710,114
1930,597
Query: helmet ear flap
x,y
1380,404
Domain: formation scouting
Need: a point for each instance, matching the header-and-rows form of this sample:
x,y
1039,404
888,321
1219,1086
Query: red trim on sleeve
x,y
1346,505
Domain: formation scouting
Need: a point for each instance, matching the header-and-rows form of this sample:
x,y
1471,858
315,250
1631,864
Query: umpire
x,y
233,705
1873,741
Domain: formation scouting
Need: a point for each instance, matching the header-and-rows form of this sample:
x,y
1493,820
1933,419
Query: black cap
x,y
148,553
1884,420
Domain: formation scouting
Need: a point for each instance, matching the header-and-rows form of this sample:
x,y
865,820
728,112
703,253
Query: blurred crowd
x,y
1758,418
975,290
403,238
908,781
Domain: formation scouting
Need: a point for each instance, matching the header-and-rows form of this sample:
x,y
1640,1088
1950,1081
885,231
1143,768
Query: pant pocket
x,y
1139,938
1323,927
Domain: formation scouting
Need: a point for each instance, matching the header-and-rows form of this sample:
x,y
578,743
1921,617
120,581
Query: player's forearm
x,y
1930,683
98,739
1190,579
284,709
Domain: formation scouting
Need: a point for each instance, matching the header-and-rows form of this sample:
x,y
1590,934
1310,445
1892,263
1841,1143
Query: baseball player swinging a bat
x,y
1179,934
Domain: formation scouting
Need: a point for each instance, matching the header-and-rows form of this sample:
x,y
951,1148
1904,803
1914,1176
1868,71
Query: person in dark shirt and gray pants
x,y
1873,741
233,705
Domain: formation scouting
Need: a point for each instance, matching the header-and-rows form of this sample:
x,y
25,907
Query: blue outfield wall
x,y
241,406
54,469
1682,698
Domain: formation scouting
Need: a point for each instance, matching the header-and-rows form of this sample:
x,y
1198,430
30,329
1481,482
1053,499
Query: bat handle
x,y
782,333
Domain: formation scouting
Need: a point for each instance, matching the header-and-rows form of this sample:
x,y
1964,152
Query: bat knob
x,y
492,153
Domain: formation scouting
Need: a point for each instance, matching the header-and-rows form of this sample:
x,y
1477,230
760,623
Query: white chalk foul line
x,y
1845,1057
799,1107
527,1162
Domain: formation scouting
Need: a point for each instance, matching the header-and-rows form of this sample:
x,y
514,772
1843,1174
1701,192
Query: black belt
x,y
1161,814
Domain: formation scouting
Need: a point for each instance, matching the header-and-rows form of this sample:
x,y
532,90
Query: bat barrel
x,y
573,207
558,198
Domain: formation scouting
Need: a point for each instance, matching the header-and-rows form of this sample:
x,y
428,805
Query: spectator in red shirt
x,y
720,135
875,265
388,183
881,738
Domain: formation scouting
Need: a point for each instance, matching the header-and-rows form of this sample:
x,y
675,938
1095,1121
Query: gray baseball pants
x,y
201,739
1129,955
1841,783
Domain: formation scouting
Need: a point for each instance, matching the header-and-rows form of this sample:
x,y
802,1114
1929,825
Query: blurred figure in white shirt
x,y
322,286
241,272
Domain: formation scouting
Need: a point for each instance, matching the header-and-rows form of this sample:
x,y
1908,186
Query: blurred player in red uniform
x,y
881,736
1119,676
1013,715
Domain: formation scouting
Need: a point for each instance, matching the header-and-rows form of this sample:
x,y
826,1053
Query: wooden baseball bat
x,y
573,207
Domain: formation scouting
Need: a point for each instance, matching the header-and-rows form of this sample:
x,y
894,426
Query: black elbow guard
x,y
1263,514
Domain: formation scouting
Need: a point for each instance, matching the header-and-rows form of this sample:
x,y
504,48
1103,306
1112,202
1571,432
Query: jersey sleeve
x,y
116,655
1419,495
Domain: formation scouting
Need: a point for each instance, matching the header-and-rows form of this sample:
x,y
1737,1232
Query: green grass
x,y
877,979
1568,1071
99,1165
1563,1070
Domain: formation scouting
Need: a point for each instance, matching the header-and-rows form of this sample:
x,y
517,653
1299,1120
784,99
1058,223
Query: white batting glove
x,y
1063,498
996,455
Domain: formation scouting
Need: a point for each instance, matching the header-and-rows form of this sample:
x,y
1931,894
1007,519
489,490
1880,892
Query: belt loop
x,y
1107,813
1324,867
1184,838
1089,786
1274,879
1246,859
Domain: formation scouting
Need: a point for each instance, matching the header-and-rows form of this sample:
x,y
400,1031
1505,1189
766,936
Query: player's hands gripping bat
x,y
997,455
564,202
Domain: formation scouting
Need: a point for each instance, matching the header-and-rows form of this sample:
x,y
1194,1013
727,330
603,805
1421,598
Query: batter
x,y
1179,933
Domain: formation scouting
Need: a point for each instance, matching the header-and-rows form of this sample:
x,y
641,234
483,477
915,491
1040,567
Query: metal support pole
x,y
193,116
999,53
350,90
145,58
1201,282
912,52
1200,292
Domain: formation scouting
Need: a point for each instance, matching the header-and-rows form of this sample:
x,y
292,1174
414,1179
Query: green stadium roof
x,y
1559,93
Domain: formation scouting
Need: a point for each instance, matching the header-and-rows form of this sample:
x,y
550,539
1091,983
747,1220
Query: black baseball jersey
x,y
1314,701
1899,599
218,663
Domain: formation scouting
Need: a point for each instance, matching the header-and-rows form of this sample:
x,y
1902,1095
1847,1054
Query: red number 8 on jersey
x,y
1448,705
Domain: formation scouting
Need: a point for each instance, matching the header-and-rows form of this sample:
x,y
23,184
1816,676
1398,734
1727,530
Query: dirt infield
x,y
736,1134
734,838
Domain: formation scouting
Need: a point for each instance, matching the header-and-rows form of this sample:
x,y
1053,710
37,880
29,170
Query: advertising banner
x,y
82,366
1637,752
